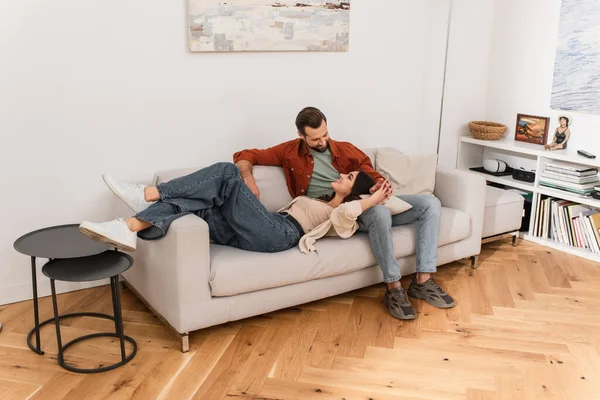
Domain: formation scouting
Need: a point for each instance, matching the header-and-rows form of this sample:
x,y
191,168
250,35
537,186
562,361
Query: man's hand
x,y
246,172
251,183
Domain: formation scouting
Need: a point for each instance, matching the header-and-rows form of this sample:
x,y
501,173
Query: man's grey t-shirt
x,y
323,174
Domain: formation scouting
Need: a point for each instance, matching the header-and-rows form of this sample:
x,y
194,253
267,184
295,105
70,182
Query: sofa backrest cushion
x,y
410,174
274,193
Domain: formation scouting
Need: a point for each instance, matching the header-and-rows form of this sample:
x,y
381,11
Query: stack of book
x,y
568,223
570,177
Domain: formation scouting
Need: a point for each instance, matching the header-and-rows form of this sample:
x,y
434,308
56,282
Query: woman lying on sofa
x,y
234,215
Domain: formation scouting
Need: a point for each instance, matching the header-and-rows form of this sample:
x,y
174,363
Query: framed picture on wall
x,y
532,129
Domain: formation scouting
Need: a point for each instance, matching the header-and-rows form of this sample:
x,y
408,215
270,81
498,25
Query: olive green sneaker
x,y
431,292
397,304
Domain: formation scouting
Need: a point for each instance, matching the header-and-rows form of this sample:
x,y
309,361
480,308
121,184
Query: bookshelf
x,y
472,152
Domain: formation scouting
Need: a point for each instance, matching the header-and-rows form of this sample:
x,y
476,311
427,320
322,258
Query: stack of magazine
x,y
572,178
568,223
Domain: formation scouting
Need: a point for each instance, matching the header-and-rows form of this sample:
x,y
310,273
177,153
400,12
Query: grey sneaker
x,y
431,292
397,304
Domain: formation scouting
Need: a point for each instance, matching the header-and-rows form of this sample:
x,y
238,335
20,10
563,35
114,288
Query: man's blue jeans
x,y
234,215
378,222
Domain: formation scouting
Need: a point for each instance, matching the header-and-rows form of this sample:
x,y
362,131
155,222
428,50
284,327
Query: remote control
x,y
585,154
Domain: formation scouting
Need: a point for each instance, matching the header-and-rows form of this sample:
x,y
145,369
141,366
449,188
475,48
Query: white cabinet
x,y
472,152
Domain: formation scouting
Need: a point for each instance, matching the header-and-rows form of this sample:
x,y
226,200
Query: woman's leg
x,y
234,215
185,195
136,225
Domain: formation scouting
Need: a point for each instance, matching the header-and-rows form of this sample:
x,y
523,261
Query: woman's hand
x,y
378,197
383,193
377,185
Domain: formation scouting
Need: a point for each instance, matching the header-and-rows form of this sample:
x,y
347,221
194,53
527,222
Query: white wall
x,y
89,87
522,66
467,73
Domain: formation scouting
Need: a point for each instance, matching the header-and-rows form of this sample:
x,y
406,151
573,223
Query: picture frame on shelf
x,y
532,129
560,139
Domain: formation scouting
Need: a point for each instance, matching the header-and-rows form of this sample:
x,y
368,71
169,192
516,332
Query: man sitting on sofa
x,y
313,161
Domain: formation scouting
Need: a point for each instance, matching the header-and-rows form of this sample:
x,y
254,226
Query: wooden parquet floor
x,y
527,326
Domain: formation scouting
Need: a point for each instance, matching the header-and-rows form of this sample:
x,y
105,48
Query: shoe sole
x,y
104,239
403,317
113,189
415,296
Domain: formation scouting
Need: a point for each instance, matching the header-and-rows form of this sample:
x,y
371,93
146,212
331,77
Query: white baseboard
x,y
23,291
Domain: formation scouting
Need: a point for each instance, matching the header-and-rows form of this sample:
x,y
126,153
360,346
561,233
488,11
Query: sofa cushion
x,y
410,174
274,193
235,271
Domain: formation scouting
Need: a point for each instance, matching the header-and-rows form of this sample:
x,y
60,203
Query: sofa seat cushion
x,y
235,271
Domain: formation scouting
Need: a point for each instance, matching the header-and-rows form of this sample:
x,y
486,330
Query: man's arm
x,y
273,156
245,159
367,166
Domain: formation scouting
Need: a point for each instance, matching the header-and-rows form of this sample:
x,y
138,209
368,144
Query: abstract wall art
x,y
268,25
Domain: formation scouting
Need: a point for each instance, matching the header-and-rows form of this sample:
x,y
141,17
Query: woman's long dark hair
x,y
362,184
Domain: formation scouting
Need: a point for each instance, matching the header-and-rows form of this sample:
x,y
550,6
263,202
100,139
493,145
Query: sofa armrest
x,y
464,191
172,274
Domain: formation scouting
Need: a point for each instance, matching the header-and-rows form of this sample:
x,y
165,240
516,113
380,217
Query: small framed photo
x,y
532,129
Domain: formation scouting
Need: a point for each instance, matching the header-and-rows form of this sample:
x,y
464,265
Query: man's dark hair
x,y
309,116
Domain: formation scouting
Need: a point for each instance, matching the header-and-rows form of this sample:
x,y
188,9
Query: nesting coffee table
x,y
75,258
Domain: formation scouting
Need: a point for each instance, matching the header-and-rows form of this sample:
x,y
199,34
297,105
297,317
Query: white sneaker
x,y
115,232
132,194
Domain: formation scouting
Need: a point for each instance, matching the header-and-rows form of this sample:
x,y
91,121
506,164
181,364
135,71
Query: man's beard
x,y
319,149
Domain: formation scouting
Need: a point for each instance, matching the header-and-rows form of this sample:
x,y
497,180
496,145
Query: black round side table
x,y
64,241
109,264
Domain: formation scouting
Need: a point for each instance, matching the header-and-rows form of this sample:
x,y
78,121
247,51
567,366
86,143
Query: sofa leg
x,y
514,240
474,262
185,343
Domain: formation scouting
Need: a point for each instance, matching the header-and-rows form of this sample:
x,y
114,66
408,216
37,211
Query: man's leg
x,y
377,222
425,212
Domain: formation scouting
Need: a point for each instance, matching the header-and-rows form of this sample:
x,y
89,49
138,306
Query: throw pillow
x,y
409,174
394,204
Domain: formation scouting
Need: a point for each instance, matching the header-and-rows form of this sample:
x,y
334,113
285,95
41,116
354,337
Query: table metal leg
x,y
116,292
36,314
56,321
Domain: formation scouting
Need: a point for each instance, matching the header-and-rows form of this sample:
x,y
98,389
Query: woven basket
x,y
487,130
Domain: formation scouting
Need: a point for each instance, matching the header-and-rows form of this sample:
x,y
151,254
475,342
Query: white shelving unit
x,y
471,153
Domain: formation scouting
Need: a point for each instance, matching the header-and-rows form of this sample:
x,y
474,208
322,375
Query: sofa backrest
x,y
270,181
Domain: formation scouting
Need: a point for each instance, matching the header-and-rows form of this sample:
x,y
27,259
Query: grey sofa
x,y
191,283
